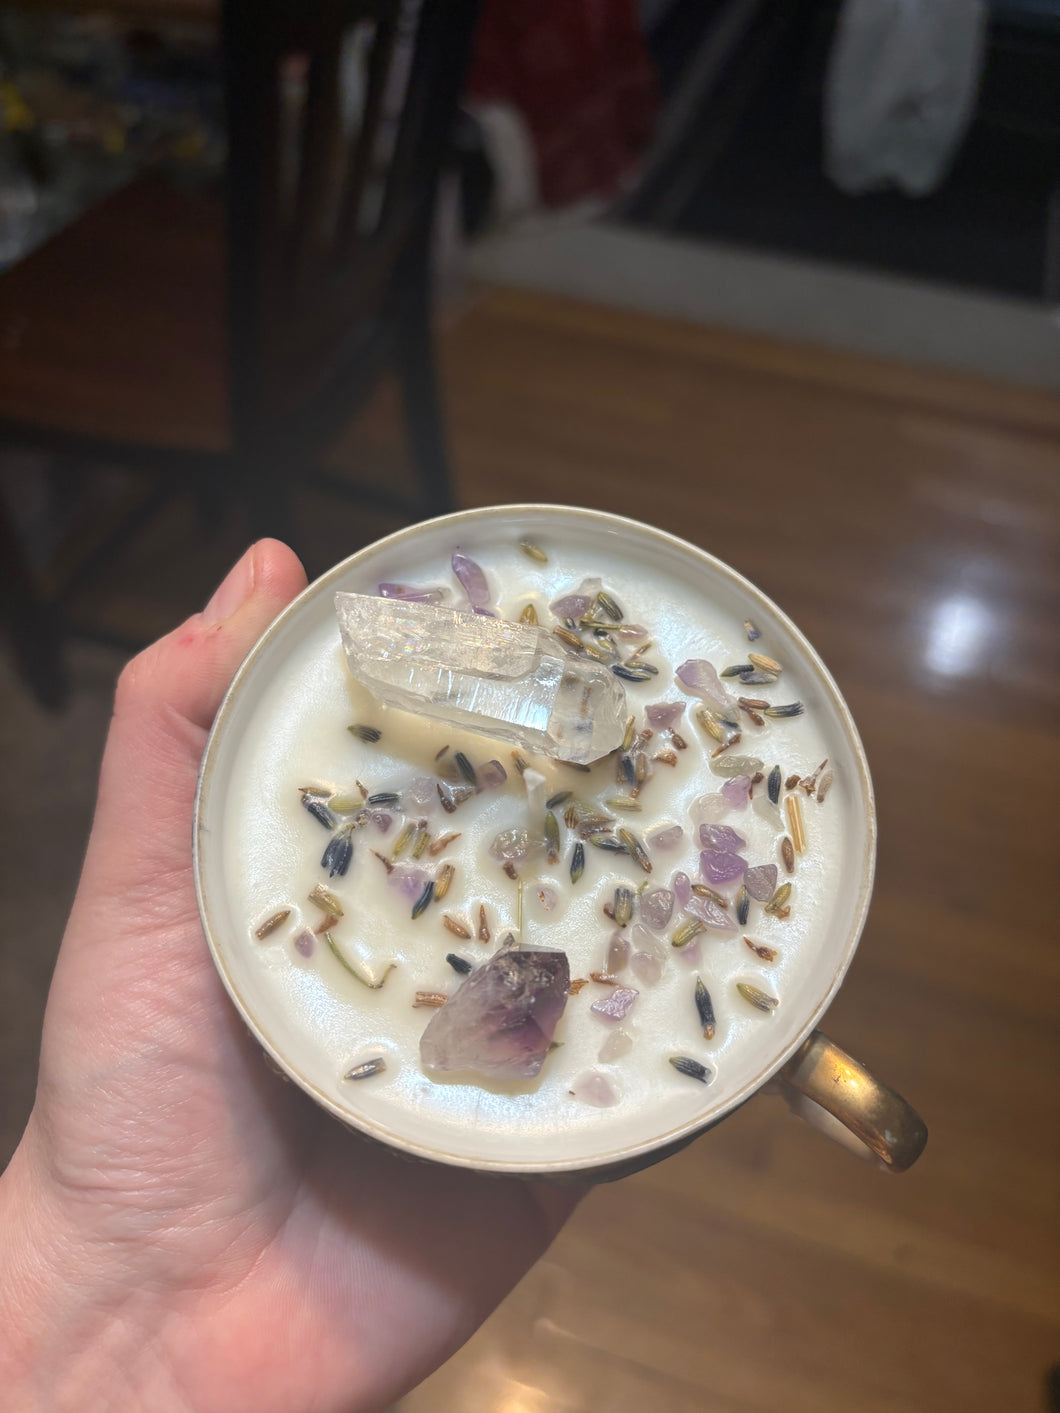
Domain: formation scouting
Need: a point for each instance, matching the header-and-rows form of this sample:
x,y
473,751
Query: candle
x,y
616,1075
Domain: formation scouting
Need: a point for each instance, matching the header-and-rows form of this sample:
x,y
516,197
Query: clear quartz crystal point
x,y
506,680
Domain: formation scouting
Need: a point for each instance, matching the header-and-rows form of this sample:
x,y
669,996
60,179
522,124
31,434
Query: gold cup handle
x,y
859,1105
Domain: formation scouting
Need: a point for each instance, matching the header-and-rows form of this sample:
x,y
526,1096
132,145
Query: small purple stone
x,y
616,1044
666,838
646,968
381,820
492,775
513,846
596,1089
663,714
617,957
737,791
709,913
304,942
472,580
644,941
422,791
617,1004
571,606
656,908
407,880
500,1021
710,809
761,882
411,594
690,956
577,603
682,889
721,867
722,838
701,679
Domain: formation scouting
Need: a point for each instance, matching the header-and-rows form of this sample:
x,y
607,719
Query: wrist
x,y
75,1333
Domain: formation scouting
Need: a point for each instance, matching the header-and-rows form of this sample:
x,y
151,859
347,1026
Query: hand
x,y
181,1230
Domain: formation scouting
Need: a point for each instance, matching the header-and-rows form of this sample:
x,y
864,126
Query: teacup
x,y
285,718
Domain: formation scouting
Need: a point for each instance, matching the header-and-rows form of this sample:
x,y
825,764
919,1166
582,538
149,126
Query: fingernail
x,y
233,591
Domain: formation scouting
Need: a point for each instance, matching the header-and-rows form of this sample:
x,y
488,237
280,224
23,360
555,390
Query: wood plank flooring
x,y
907,521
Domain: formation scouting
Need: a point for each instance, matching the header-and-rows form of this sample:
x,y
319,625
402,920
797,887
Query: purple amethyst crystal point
x,y
501,1020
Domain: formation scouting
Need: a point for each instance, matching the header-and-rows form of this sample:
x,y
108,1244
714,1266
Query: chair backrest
x,y
339,113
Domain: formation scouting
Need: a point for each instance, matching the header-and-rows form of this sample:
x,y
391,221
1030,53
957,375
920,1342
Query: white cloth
x,y
902,81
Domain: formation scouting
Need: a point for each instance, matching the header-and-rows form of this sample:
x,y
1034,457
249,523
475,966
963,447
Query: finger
x,y
165,702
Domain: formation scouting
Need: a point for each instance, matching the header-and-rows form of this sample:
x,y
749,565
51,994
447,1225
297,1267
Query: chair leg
x,y
33,623
424,423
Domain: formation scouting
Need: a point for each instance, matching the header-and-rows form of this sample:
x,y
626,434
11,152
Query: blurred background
x,y
780,276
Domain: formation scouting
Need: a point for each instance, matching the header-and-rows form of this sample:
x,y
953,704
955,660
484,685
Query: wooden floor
x,y
908,523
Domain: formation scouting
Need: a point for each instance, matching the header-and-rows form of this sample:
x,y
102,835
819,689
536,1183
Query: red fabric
x,y
580,73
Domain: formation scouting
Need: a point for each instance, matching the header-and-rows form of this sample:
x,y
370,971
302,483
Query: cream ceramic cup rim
x,y
674,1137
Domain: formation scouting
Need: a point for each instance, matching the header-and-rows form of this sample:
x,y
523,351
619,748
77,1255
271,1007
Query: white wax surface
x,y
290,730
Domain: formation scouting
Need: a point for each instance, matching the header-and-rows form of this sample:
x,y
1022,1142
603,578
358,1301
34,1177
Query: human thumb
x,y
164,705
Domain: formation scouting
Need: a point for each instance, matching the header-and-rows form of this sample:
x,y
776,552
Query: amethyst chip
x,y
410,593
708,912
701,679
492,775
656,908
737,791
577,603
408,880
721,867
663,714
472,580
617,1004
761,882
666,838
722,838
617,955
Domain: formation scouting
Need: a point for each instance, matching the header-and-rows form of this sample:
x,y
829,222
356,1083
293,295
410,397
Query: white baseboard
x,y
801,300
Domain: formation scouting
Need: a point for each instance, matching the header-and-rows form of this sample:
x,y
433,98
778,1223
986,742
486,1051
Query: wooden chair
x,y
225,343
